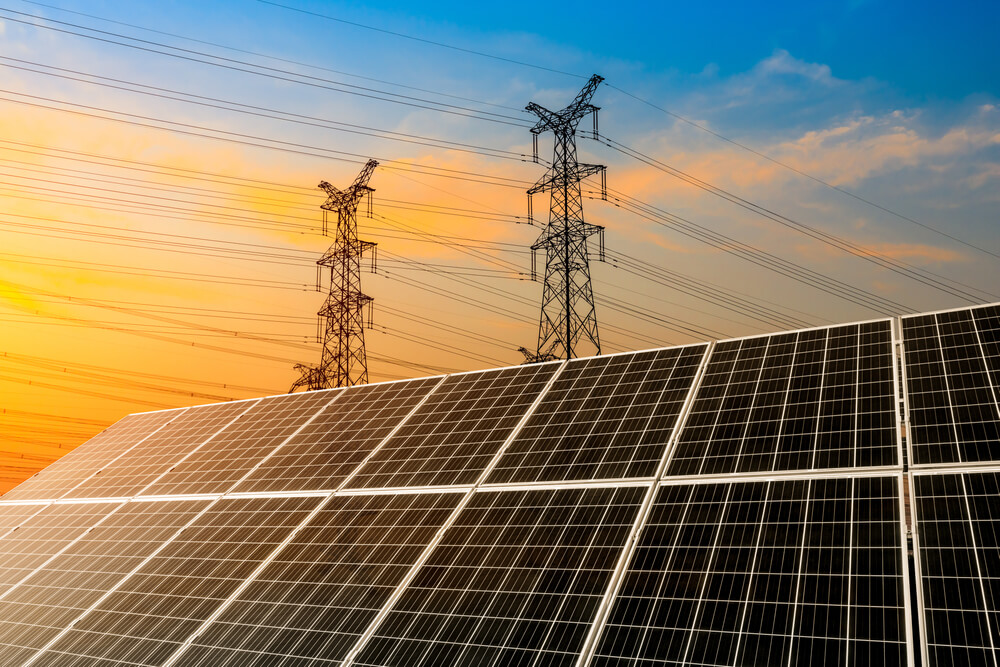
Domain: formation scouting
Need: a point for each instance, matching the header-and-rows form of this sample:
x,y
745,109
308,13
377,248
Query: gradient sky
x,y
103,237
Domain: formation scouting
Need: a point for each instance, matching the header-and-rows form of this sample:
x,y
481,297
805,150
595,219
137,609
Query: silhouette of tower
x,y
343,362
568,313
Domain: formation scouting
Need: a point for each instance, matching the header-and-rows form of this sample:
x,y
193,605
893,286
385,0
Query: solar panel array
x,y
742,502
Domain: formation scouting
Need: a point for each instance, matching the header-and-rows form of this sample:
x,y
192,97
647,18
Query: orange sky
x,y
145,268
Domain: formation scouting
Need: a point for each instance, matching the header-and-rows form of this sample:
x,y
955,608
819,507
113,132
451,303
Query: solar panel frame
x,y
489,499
222,486
589,654
34,608
953,423
333,404
675,423
898,443
918,557
373,476
144,583
193,412
15,494
328,580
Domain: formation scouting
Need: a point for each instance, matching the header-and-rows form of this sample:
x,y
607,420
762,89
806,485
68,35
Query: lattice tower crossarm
x,y
568,312
343,362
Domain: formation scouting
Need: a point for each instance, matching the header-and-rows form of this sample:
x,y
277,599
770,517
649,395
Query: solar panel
x,y
11,516
457,431
779,572
594,423
517,579
43,535
58,478
156,454
326,451
952,362
808,400
225,459
148,616
312,603
958,559
35,611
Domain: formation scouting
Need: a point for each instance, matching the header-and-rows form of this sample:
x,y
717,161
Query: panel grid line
x,y
982,352
752,572
347,480
250,405
850,570
121,582
947,389
425,555
603,612
251,578
180,413
100,437
784,404
979,568
822,383
250,471
713,554
72,542
277,551
756,391
798,576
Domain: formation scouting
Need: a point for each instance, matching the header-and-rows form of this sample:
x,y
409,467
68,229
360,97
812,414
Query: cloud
x,y
782,63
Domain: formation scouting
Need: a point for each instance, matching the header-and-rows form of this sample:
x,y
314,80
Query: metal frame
x,y
915,467
812,470
614,585
436,539
180,412
917,559
654,484
903,421
62,633
225,604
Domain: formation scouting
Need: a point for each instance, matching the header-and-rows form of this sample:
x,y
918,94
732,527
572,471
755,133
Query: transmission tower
x,y
568,313
343,363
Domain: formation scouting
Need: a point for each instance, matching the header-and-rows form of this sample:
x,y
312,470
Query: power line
x,y
922,276
275,73
270,57
717,135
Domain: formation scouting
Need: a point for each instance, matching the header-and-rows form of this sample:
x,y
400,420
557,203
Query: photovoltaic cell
x,y
808,400
516,580
226,458
311,604
952,375
11,516
156,454
326,451
958,528
604,418
457,431
146,619
36,611
800,572
58,478
40,537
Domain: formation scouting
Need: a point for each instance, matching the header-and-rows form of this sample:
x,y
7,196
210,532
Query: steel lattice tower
x,y
568,312
343,363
